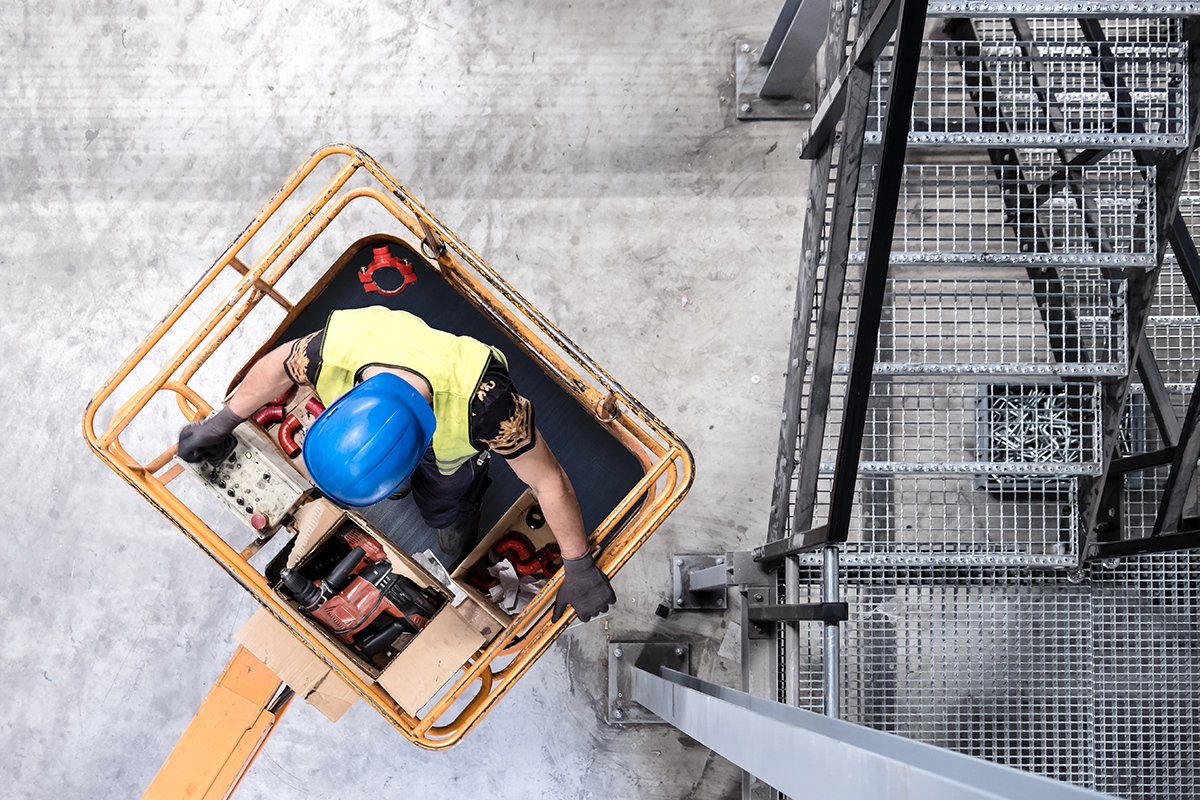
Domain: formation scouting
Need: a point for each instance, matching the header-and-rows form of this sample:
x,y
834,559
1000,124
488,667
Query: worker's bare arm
x,y
265,381
540,470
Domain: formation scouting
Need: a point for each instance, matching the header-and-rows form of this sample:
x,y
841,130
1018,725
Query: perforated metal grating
x,y
981,94
977,215
1094,683
945,426
957,326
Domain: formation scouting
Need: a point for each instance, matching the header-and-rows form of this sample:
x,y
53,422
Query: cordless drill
x,y
375,607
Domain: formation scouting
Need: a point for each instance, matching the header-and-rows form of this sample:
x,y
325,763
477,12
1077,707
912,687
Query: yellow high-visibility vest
x,y
452,366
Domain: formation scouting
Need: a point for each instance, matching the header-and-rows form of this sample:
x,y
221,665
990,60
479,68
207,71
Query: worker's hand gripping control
x,y
585,587
209,440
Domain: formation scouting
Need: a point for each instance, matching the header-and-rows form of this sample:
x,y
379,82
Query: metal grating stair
x,y
1025,396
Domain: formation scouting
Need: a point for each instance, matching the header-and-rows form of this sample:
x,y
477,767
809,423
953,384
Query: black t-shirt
x,y
501,420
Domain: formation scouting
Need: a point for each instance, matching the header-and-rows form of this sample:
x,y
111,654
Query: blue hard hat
x,y
369,441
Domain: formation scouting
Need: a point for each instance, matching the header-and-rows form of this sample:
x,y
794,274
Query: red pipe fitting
x,y
482,582
268,415
273,411
283,398
548,555
519,552
384,259
287,435
314,407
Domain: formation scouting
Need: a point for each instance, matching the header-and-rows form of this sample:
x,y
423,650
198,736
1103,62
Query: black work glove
x,y
585,588
210,440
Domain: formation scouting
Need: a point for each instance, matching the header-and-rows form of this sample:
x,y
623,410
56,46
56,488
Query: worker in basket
x,y
408,409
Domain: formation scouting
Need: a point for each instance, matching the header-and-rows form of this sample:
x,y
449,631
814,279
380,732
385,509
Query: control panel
x,y
254,481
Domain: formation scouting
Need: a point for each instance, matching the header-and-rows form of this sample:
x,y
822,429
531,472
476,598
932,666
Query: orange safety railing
x,y
496,667
491,671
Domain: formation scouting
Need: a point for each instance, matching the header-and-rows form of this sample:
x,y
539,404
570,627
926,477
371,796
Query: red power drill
x,y
376,606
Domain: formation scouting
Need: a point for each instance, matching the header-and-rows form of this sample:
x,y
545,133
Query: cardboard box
x,y
430,660
514,520
296,665
417,672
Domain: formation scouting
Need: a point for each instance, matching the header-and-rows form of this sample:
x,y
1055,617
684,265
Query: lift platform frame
x,y
667,463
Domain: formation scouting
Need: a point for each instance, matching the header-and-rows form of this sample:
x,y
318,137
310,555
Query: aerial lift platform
x,y
343,233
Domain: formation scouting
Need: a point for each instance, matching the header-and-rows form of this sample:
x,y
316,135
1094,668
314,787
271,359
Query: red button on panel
x,y
258,521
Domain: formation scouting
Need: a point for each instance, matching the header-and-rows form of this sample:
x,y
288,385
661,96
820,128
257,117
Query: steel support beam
x,y
1187,538
1156,393
906,61
803,754
796,543
881,24
831,598
1184,248
1183,469
779,30
800,612
1141,461
1186,441
797,51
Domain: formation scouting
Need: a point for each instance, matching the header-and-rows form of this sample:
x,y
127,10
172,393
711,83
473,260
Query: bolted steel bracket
x,y
761,614
623,657
698,582
750,76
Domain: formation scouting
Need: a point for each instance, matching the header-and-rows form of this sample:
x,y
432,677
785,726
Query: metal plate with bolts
x,y
683,574
623,657
750,76
758,596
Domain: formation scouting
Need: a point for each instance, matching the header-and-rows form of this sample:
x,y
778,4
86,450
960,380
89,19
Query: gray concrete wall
x,y
586,150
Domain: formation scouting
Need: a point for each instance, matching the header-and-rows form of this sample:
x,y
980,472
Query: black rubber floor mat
x,y
600,468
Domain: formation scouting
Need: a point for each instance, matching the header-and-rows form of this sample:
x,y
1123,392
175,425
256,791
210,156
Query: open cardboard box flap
x,y
431,659
296,665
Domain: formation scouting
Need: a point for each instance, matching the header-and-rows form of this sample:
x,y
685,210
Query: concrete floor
x,y
590,154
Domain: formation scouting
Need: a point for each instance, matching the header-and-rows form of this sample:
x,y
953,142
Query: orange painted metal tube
x,y
488,675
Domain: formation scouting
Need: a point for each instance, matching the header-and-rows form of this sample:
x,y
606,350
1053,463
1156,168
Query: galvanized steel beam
x,y
797,51
803,754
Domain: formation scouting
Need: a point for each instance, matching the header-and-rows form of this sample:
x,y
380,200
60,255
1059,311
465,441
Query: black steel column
x,y
858,96
910,30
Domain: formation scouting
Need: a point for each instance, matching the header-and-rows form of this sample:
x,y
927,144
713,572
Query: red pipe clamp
x,y
384,259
